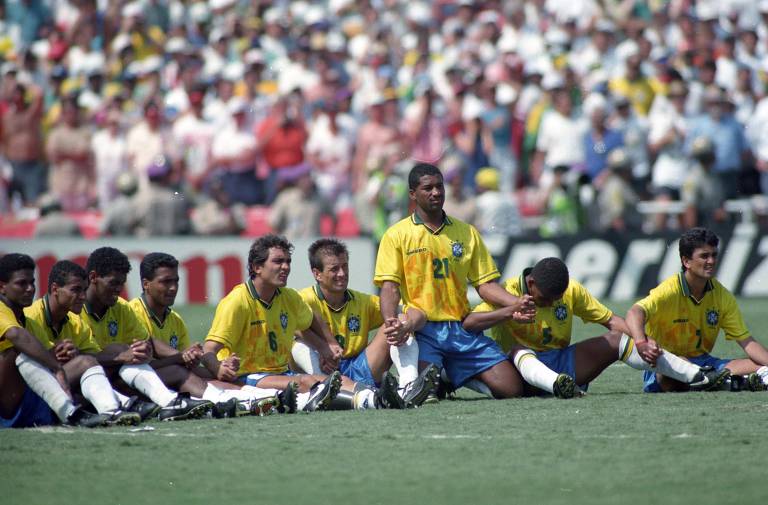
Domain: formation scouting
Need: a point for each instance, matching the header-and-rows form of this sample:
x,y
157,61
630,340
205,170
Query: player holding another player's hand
x,y
649,350
65,351
192,355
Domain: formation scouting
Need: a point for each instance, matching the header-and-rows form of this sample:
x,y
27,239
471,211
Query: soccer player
x,y
34,385
542,350
56,315
351,315
126,345
171,346
252,333
685,314
426,259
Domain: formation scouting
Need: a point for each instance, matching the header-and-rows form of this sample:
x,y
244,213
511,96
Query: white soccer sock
x,y
121,398
306,357
668,364
534,371
763,373
144,379
247,393
406,360
44,384
365,399
479,387
301,401
96,388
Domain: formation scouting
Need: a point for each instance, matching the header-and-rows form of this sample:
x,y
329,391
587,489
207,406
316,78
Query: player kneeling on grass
x,y
542,351
685,314
252,333
159,274
351,315
44,392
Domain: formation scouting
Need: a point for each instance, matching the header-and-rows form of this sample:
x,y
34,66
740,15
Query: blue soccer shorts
x,y
561,361
462,354
253,379
650,385
32,411
358,370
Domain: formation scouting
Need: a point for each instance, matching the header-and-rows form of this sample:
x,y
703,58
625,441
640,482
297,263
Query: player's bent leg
x,y
503,379
378,354
12,386
306,358
742,366
593,355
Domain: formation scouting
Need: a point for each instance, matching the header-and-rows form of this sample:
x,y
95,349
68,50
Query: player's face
x,y
539,298
164,287
702,262
20,288
429,195
70,296
335,274
108,287
274,272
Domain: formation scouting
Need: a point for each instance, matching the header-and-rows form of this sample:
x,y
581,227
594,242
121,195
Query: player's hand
x,y
329,358
228,368
65,351
141,350
649,350
396,331
192,355
524,311
61,377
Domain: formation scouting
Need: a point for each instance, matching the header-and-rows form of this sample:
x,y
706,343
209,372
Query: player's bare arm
x,y
648,349
481,321
225,370
755,350
522,306
25,342
616,323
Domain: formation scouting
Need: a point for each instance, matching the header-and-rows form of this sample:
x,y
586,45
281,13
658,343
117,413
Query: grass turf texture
x,y
617,445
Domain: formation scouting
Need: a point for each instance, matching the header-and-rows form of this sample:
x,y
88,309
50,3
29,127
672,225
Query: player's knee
x,y
81,363
613,338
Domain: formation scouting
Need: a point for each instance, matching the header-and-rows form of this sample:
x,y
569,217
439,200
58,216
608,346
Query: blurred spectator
x,y
757,132
633,85
298,208
474,140
702,191
216,215
376,146
22,142
634,131
109,154
600,140
386,198
458,202
162,209
146,141
423,125
53,221
193,136
497,212
122,217
25,20
561,214
329,151
616,200
234,158
72,175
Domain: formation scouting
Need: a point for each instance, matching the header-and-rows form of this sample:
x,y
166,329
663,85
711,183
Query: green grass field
x,y
616,445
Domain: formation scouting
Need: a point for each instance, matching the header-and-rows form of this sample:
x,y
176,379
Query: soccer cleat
x,y
287,398
264,407
387,397
230,408
753,382
417,391
709,379
444,391
84,419
184,407
565,387
145,410
322,393
122,418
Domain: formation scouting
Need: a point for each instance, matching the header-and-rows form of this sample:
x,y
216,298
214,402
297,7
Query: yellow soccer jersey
x,y
8,320
119,325
260,333
432,268
73,328
553,325
172,330
350,323
689,327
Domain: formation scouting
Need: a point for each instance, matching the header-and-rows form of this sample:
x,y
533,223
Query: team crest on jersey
x,y
353,324
712,317
457,249
561,312
284,320
174,341
112,328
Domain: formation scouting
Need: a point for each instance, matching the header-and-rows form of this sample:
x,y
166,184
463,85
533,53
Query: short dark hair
x,y
153,261
63,270
106,260
551,276
259,251
13,262
325,247
695,238
418,171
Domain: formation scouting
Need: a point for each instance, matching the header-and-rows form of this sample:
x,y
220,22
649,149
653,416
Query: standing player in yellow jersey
x,y
34,384
126,344
252,334
351,316
542,350
159,274
426,260
685,314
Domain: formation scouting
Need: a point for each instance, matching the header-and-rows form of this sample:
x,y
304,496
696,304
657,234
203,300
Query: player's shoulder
x,y
362,297
671,284
721,291
308,294
35,310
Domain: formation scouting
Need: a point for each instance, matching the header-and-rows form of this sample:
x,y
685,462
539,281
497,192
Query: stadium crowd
x,y
175,117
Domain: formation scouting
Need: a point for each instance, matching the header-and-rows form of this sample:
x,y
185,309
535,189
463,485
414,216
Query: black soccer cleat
x,y
565,387
122,418
709,379
287,398
84,419
229,408
419,390
145,410
387,396
183,407
322,393
753,382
